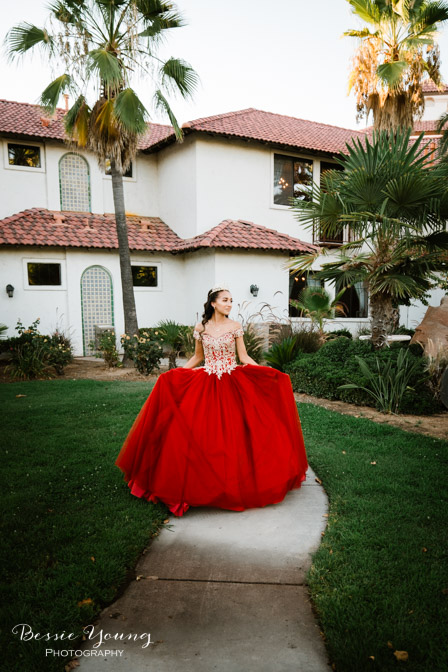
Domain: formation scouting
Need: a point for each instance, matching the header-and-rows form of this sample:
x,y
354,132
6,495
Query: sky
x,y
286,57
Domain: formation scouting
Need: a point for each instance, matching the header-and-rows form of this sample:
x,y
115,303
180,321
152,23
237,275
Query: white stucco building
x,y
212,209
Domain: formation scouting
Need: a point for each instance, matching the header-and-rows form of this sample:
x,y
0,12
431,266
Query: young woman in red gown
x,y
220,435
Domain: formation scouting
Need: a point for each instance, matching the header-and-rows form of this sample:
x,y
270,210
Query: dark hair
x,y
208,308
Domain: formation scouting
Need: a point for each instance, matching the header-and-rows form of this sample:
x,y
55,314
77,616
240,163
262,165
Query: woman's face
x,y
223,303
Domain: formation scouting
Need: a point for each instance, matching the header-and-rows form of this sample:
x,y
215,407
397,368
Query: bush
x,y
144,351
330,335
281,354
322,373
107,348
33,353
387,381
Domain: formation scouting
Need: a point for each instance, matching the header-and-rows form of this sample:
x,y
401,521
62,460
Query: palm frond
x,y
26,36
161,103
50,96
76,121
130,111
178,75
366,10
106,66
391,73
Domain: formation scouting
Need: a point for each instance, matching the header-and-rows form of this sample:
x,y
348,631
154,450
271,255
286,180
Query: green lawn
x,y
72,532
380,574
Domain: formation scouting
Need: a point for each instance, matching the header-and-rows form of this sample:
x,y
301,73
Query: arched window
x,y
74,183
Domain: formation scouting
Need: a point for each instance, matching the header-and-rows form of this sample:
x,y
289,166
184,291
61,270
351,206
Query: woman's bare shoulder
x,y
236,325
199,327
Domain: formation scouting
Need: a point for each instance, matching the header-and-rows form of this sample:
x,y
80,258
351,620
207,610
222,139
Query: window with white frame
x,y
293,177
145,275
74,183
24,155
43,273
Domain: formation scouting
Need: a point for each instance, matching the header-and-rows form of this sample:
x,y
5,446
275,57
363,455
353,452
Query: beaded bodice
x,y
219,352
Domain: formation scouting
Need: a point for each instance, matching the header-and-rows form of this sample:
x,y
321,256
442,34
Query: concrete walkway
x,y
221,591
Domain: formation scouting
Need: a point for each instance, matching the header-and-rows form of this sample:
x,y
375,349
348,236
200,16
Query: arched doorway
x,y
97,303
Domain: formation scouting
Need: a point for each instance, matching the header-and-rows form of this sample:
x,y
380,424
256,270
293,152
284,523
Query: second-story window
x,y
128,173
293,177
74,183
23,155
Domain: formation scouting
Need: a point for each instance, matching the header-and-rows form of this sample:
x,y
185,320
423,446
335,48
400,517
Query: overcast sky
x,y
286,57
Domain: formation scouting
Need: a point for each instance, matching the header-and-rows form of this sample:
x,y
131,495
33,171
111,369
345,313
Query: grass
x,y
379,578
72,533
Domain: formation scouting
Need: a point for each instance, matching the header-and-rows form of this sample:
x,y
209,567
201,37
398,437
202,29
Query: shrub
x,y
144,351
281,354
107,348
308,340
170,333
60,352
387,381
33,353
330,335
322,373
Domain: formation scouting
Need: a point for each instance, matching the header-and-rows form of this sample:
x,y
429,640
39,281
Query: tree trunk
x,y
382,318
130,313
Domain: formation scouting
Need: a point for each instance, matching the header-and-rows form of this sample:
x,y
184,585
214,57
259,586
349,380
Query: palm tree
x,y
397,51
99,45
395,201
316,303
442,127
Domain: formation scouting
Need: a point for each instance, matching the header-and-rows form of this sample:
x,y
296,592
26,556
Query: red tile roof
x,y
426,126
25,119
430,87
42,227
237,234
28,120
82,229
274,129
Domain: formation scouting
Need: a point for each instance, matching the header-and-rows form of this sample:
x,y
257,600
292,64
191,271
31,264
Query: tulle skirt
x,y
231,443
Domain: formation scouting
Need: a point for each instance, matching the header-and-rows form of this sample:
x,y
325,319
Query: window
x,y
128,173
297,283
319,235
354,300
74,183
144,276
43,273
24,155
293,177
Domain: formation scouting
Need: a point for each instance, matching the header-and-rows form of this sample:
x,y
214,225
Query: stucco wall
x,y
22,187
178,187
60,307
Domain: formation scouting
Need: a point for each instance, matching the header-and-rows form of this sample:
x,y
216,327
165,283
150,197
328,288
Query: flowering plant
x,y
144,350
34,353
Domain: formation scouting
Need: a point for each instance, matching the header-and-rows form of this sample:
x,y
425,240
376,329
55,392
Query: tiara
x,y
218,288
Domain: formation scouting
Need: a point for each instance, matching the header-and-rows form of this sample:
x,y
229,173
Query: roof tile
x,y
42,227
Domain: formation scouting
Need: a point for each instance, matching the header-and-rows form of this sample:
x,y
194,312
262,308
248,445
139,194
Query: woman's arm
x,y
241,350
198,353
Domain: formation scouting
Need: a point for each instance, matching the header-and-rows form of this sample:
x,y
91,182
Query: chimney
x,y
59,218
66,101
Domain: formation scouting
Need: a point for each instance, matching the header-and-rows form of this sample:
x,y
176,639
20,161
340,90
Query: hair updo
x,y
208,308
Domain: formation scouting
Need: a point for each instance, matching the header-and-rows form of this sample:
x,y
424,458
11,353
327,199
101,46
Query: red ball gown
x,y
222,435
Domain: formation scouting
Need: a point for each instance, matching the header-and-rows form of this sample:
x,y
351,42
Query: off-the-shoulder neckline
x,y
216,338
